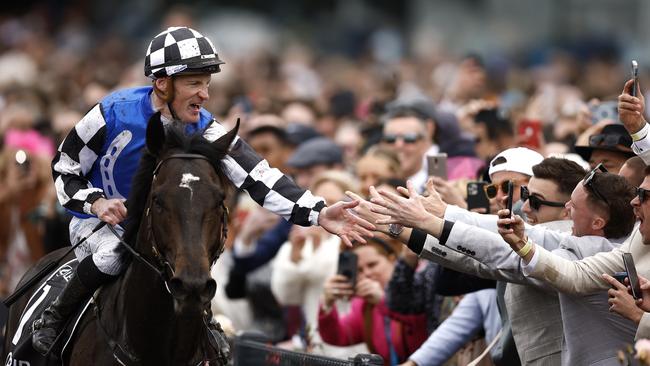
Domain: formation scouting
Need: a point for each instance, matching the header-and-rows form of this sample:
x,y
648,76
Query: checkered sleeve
x,y
74,159
269,187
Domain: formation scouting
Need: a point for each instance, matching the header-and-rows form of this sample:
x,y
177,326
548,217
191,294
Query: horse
x,y
155,313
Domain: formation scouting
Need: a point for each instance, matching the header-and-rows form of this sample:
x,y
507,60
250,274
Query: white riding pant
x,y
108,254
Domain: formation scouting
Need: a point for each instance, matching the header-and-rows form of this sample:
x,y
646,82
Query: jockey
x,y
93,168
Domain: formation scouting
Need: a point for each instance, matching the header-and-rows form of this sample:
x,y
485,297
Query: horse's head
x,y
185,215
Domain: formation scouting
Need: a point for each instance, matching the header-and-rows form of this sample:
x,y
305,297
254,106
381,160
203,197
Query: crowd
x,y
443,281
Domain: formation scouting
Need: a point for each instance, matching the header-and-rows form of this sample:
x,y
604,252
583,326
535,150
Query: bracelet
x,y
525,249
641,134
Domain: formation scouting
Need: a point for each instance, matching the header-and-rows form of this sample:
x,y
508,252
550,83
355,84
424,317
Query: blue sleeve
x,y
458,329
266,248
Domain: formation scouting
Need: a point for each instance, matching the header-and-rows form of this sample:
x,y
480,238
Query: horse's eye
x,y
157,202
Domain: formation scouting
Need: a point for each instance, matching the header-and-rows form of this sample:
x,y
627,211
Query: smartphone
x,y
437,165
476,197
348,265
628,261
511,192
604,110
635,77
530,133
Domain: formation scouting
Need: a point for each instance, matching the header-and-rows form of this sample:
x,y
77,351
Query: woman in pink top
x,y
391,335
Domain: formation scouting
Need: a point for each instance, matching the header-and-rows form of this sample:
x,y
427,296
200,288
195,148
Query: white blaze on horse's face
x,y
186,180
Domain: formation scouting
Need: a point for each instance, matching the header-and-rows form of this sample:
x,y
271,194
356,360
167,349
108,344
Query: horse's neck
x,y
148,323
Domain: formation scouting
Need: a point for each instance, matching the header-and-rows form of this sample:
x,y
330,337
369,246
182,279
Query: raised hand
x,y
339,220
409,212
335,288
370,290
433,203
512,229
364,211
630,109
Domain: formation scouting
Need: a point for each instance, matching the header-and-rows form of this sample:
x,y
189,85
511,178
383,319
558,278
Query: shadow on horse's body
x,y
175,223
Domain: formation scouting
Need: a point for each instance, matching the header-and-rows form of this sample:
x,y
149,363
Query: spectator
x,y
611,147
591,219
308,258
410,133
376,165
390,335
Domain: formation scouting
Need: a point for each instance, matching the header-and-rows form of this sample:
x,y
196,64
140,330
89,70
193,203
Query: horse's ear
x,y
155,134
224,142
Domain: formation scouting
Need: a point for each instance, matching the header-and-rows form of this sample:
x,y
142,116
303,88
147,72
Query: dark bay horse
x,y
154,313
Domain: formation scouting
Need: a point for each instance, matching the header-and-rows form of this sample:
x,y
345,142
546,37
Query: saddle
x,y
20,350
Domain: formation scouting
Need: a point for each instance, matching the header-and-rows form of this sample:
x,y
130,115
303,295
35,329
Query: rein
x,y
164,270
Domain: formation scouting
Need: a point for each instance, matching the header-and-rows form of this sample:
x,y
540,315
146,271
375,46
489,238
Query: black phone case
x,y
628,261
511,192
348,265
476,197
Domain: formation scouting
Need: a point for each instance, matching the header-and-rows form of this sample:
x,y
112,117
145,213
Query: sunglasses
x,y
536,202
408,138
608,140
643,194
588,181
491,190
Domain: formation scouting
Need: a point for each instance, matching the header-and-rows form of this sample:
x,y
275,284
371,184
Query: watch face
x,y
395,229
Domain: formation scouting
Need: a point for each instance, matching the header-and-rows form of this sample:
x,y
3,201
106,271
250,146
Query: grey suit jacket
x,y
535,313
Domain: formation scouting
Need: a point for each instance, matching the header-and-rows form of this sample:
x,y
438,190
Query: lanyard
x,y
393,354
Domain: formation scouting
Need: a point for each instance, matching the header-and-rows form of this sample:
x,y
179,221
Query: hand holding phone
x,y
635,77
628,261
511,192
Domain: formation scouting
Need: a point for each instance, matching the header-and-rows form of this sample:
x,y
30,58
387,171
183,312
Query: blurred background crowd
x,y
342,95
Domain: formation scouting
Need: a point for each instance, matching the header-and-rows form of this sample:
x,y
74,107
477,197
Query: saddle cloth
x,y
21,352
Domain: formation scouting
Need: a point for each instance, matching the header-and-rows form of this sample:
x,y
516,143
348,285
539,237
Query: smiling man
x,y
603,218
94,166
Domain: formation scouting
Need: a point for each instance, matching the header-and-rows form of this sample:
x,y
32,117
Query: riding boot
x,y
218,338
51,322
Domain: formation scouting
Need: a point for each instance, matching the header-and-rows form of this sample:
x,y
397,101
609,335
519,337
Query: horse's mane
x,y
177,140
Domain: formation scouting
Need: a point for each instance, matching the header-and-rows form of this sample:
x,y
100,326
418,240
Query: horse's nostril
x,y
201,289
177,288
209,290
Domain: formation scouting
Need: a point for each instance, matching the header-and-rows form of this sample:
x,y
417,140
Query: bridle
x,y
167,269
164,269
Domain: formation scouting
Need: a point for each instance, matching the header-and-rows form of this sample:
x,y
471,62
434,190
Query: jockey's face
x,y
190,92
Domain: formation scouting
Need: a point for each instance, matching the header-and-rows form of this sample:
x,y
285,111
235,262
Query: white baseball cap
x,y
518,160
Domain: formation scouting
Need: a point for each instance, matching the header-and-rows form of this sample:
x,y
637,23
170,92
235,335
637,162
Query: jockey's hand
x,y
111,211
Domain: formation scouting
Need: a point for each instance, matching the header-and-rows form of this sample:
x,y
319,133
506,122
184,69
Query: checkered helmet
x,y
180,50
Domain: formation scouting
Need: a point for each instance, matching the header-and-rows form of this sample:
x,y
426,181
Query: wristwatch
x,y
395,229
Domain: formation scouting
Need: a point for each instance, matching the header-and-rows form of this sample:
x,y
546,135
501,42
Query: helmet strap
x,y
168,96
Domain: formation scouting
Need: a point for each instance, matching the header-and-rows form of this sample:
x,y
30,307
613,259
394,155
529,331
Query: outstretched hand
x,y
433,203
338,220
364,210
409,211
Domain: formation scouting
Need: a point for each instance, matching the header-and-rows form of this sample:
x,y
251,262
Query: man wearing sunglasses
x,y
608,332
592,274
410,133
